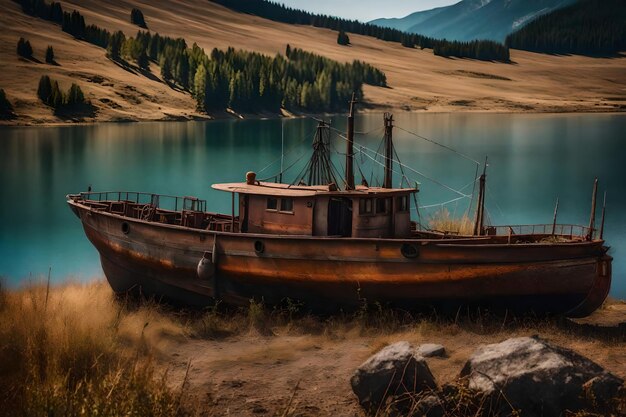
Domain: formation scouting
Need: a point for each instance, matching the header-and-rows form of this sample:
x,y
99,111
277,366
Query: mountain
x,y
588,27
475,19
405,23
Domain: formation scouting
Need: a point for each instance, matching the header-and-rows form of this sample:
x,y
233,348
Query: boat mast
x,y
480,209
350,147
592,219
388,181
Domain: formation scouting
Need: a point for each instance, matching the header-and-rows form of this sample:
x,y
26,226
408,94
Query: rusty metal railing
x,y
567,230
160,201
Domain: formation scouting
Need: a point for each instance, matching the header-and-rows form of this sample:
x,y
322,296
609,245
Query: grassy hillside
x,y
588,27
417,79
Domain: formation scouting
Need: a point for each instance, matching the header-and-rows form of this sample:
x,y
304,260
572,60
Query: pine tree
x,y
114,49
199,83
288,51
56,99
342,38
44,91
50,55
24,49
166,68
6,109
75,96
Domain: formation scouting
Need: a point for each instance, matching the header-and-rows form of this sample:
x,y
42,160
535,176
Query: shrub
x,y
342,38
136,18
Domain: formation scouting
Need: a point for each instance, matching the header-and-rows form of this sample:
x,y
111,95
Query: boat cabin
x,y
322,210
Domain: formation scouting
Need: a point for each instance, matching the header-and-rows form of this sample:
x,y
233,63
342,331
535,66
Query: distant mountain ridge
x,y
474,19
588,27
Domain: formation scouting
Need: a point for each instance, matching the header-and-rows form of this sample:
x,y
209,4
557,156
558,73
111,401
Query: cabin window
x,y
402,203
366,206
286,204
381,205
272,204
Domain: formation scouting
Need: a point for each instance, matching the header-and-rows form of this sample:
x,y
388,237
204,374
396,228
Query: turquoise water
x,y
533,159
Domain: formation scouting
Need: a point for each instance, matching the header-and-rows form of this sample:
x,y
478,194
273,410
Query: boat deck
x,y
191,212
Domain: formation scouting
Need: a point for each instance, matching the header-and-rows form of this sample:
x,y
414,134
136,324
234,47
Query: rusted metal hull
x,y
332,273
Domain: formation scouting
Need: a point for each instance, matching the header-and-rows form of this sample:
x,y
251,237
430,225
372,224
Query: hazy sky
x,y
366,10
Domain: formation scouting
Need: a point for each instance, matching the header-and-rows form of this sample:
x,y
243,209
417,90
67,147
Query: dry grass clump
x,y
443,221
75,351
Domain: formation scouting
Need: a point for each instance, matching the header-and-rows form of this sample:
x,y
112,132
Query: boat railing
x,y
570,231
157,201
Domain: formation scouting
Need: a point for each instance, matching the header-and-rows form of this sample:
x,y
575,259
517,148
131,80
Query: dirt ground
x,y
418,80
306,372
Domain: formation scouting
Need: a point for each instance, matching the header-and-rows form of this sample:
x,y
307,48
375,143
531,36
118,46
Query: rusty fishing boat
x,y
332,244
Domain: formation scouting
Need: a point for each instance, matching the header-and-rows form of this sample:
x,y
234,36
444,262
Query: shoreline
x,y
286,115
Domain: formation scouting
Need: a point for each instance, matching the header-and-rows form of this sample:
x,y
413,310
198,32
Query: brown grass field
x,y
418,80
76,350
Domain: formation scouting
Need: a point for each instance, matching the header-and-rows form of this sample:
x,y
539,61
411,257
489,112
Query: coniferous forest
x,y
240,80
483,50
588,27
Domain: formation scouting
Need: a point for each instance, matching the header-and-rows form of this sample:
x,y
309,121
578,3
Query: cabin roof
x,y
288,190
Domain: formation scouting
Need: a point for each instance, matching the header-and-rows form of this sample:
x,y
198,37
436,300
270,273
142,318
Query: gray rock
x,y
392,373
540,379
429,350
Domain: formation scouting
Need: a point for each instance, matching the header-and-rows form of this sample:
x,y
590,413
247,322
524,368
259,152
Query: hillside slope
x,y
418,80
475,19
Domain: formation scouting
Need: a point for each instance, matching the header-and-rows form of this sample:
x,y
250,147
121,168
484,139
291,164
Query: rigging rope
x,y
405,166
439,144
287,153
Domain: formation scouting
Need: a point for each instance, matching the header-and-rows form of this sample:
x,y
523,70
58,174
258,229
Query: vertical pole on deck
x,y
232,220
603,213
282,149
592,218
388,181
350,147
556,210
480,208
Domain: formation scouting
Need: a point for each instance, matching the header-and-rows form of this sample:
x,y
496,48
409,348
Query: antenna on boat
x,y
592,218
480,208
350,147
388,180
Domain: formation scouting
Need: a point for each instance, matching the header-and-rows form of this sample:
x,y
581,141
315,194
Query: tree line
x,y
588,27
240,80
487,50
50,93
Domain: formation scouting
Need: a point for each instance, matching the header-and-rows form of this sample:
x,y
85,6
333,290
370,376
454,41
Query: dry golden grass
x,y
74,351
443,221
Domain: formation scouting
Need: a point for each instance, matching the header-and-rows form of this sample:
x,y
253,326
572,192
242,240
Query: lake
x,y
533,159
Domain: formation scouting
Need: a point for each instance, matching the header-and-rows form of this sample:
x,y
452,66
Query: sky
x,y
366,10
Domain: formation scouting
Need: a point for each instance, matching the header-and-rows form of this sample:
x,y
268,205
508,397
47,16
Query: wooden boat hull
x,y
329,274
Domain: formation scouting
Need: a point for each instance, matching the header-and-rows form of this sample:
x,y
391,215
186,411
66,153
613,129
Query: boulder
x,y
429,350
537,378
392,373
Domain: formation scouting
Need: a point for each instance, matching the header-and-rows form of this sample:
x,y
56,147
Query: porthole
x,y
125,228
259,247
409,251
